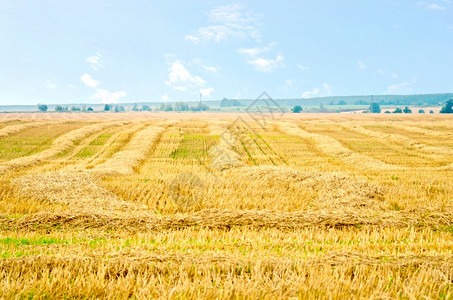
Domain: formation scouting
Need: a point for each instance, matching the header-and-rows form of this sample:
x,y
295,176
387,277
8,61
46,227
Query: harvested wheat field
x,y
167,205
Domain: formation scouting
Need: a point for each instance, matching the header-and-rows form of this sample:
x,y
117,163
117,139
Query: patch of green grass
x,y
193,146
100,140
34,241
94,146
33,140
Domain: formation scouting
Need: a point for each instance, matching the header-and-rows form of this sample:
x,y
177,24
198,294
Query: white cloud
x,y
253,52
260,63
361,65
289,82
89,81
394,75
180,78
210,69
380,71
199,61
106,97
206,92
230,14
318,92
164,98
94,61
192,38
229,21
403,87
302,67
434,6
169,57
267,65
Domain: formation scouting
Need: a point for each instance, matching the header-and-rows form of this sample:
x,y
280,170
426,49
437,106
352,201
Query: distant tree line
x,y
229,103
60,108
183,106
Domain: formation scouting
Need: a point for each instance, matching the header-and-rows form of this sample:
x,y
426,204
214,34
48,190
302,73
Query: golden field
x,y
210,205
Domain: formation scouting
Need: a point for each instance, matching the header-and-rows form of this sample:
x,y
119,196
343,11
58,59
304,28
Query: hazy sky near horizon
x,y
132,51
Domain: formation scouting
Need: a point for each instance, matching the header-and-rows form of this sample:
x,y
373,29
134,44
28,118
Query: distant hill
x,y
415,100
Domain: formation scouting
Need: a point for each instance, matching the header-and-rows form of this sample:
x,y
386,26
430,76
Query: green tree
x,y
297,109
421,111
431,111
58,108
42,107
375,108
448,108
407,110
106,107
398,111
342,102
146,108
90,108
203,107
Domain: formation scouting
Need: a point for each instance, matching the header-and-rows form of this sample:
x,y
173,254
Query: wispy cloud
x,y
325,90
192,38
95,61
104,96
253,52
180,78
262,64
210,69
203,66
228,21
164,97
435,6
50,85
267,65
394,75
289,82
361,65
302,67
400,88
89,81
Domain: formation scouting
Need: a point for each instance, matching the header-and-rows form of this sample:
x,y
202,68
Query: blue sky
x,y
132,51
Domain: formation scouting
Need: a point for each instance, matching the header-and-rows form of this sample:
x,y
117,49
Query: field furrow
x,y
132,154
433,155
58,146
334,148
